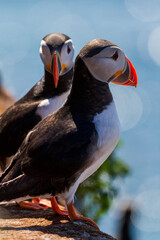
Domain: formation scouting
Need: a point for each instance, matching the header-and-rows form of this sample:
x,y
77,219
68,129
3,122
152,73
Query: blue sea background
x,y
135,27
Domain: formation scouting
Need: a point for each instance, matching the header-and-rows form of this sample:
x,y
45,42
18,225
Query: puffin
x,y
45,97
69,145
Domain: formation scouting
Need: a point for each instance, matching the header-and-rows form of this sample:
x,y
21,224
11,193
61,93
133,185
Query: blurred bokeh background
x,y
135,27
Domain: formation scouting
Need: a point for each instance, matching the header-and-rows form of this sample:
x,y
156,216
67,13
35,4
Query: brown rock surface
x,y
17,223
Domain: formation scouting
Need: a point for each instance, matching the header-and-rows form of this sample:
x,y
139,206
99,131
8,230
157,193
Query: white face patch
x,y
103,66
67,54
45,53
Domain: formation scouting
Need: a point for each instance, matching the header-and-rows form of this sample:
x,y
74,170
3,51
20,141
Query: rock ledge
x,y
21,224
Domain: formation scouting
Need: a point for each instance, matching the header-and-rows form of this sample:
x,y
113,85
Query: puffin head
x,y
108,63
57,51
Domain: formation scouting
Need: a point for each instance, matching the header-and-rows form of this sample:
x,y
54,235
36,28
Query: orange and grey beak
x,y
128,77
56,68
133,79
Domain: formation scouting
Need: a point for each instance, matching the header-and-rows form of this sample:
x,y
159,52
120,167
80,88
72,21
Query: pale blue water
x,y
134,26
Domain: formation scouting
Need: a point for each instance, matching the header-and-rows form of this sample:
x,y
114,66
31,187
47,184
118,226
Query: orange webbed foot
x,y
31,205
58,208
43,202
74,216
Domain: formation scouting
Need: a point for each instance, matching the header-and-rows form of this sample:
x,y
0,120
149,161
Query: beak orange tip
x,y
133,75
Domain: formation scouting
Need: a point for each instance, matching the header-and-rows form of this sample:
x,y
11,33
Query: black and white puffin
x,y
45,97
69,145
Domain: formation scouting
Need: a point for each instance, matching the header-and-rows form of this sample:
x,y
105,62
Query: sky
x,y
135,27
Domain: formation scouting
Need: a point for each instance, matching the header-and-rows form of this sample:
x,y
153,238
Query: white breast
x,y
50,105
108,129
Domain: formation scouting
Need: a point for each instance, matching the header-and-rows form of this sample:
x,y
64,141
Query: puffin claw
x,y
86,219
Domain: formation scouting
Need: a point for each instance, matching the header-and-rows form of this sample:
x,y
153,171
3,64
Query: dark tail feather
x,y
23,186
12,171
3,163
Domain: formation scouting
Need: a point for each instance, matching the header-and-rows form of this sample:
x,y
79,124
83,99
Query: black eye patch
x,y
68,49
115,56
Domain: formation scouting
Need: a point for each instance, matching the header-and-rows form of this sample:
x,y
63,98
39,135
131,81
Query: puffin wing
x,y
58,146
15,123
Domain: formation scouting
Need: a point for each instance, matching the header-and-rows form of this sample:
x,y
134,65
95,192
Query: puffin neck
x,y
88,96
64,83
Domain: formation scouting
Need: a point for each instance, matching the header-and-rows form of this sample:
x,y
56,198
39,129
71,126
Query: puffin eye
x,y
115,56
68,49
